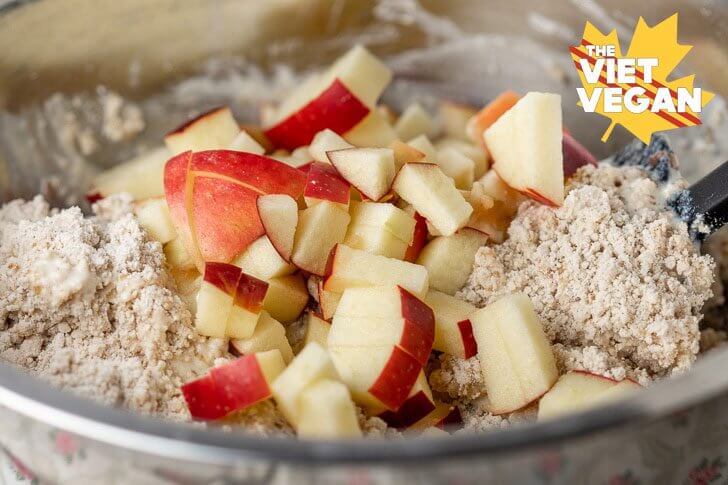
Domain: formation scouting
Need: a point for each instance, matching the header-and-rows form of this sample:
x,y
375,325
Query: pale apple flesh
x,y
286,297
326,411
370,170
414,121
142,177
268,334
453,328
449,259
214,130
279,215
326,141
320,228
153,216
215,298
317,330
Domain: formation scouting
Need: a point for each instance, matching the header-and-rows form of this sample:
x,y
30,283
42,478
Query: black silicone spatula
x,y
703,206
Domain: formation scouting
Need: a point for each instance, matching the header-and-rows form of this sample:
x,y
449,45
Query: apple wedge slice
x,y
326,411
449,259
286,297
311,365
453,328
370,170
262,260
326,141
352,268
142,177
212,130
515,356
433,195
247,307
279,215
153,216
526,145
215,298
381,316
268,334
414,121
419,404
320,228
325,183
243,142
233,386
317,330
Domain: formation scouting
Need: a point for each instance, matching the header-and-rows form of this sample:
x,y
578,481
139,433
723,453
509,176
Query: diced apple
x,y
526,145
352,268
247,307
213,130
177,256
286,297
317,330
246,143
449,259
387,113
269,334
414,121
327,141
311,365
575,155
233,386
381,316
372,131
320,228
403,153
453,328
433,195
418,405
424,145
142,177
256,132
279,215
375,240
474,152
580,390
370,170
325,183
215,298
326,411
492,185
188,283
153,216
490,113
328,301
379,378
515,356
454,118
388,216
262,260
419,236
457,166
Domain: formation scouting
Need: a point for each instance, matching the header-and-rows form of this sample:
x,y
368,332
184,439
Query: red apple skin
x,y
535,195
250,293
598,376
396,379
203,399
241,383
223,276
419,239
470,346
418,333
453,419
335,108
93,197
575,155
413,409
325,183
177,184
306,167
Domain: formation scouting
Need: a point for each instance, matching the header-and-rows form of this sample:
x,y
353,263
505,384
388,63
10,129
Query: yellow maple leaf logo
x,y
658,42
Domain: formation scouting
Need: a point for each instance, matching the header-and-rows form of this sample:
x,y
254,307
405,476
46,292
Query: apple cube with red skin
x,y
243,142
419,236
286,297
212,199
326,411
233,386
142,177
247,307
575,155
453,328
449,259
153,216
370,170
279,215
317,330
526,145
262,260
434,196
311,365
382,316
353,268
320,228
213,130
326,141
325,183
268,334
418,405
515,356
414,121
215,298
580,390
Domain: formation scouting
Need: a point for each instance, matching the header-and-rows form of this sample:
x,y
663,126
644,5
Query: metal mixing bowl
x,y
462,49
